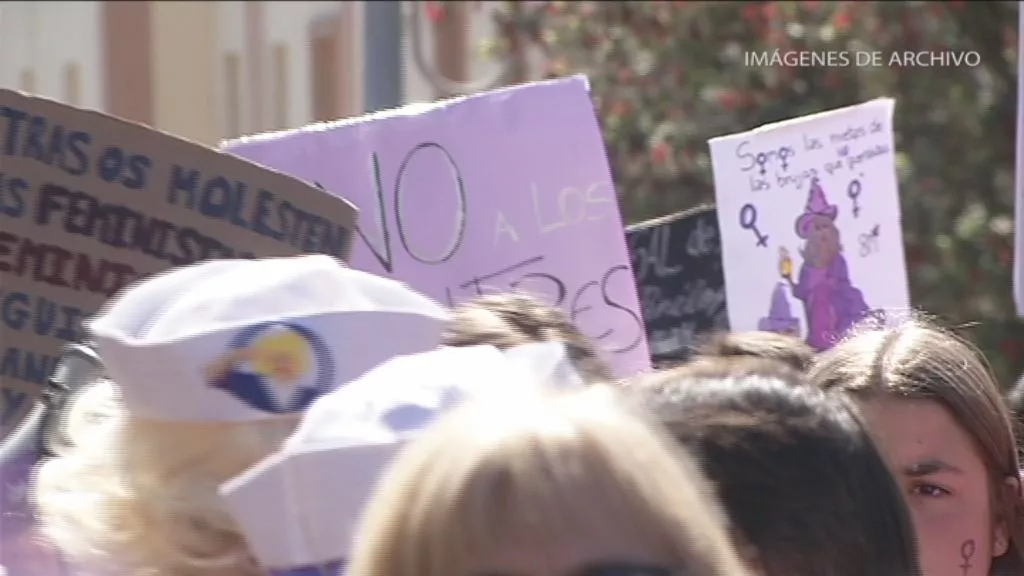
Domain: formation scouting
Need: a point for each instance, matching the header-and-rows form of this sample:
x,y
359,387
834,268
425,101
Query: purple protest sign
x,y
506,190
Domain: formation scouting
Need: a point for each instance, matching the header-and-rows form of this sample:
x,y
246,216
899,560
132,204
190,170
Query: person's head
x,y
509,320
789,350
560,486
798,475
208,369
937,415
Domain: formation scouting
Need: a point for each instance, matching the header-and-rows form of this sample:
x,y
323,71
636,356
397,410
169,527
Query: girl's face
x,y
944,482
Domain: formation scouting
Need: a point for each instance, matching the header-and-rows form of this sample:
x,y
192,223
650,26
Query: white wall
x,y
288,23
44,37
231,39
415,86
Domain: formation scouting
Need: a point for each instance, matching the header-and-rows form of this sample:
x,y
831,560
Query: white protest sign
x,y
810,223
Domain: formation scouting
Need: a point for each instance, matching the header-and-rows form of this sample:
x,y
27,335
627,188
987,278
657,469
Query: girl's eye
x,y
929,491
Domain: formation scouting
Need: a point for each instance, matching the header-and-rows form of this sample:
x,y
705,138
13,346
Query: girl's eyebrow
x,y
930,466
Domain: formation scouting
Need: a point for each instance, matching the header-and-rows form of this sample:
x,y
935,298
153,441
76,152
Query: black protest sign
x,y
677,263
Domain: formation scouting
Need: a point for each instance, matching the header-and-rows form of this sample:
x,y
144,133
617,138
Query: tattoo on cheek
x,y
966,554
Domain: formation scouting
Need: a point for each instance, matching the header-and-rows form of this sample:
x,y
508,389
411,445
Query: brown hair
x,y
919,360
509,320
794,467
759,344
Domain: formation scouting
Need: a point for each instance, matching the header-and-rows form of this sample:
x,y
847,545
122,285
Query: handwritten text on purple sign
x,y
502,191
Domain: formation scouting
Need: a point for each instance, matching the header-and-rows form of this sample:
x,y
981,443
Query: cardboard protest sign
x,y
90,203
677,263
507,190
810,219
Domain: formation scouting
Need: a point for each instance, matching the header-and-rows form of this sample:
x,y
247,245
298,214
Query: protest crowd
x,y
261,360
493,439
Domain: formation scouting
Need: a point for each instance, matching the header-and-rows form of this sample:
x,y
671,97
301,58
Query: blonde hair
x,y
548,469
511,319
139,497
917,359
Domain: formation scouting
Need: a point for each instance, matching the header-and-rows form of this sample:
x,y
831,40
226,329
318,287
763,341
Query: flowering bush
x,y
666,76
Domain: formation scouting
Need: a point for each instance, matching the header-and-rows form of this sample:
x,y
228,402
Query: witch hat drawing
x,y
817,205
780,318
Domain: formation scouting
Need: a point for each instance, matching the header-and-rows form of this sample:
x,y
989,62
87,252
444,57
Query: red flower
x,y
620,108
770,9
660,152
751,13
435,11
1006,256
841,20
728,99
625,75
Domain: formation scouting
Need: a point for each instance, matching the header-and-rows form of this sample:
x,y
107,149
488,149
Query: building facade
x,y
214,70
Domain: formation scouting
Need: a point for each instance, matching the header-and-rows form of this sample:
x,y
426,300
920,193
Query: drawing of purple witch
x,y
831,304
780,319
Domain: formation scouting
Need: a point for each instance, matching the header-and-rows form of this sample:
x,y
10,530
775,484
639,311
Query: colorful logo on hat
x,y
275,367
